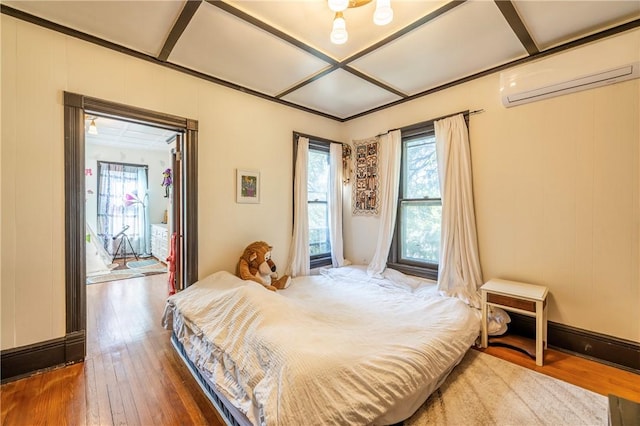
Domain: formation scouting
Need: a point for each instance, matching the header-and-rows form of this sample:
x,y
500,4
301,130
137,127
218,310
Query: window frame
x,y
321,259
318,143
395,261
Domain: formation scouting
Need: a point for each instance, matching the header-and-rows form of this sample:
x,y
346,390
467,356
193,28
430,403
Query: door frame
x,y
75,108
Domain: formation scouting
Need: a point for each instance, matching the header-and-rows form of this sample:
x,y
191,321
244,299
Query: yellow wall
x,y
557,182
235,131
556,189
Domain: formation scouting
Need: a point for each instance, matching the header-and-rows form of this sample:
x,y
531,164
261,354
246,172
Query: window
x,y
416,245
317,198
116,181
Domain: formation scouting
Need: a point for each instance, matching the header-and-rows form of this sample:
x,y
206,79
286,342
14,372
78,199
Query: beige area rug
x,y
485,390
114,275
156,267
134,269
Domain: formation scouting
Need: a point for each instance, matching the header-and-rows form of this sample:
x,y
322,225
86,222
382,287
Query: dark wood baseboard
x,y
610,350
17,363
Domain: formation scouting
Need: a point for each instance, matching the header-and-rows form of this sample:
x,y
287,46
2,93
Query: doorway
x,y
129,194
184,220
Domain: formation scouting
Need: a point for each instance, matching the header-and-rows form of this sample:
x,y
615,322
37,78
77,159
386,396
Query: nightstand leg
x,y
544,325
485,336
540,333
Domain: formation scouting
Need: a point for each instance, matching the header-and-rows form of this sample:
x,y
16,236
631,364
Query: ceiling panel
x,y
471,38
124,134
219,44
138,25
341,94
553,22
311,21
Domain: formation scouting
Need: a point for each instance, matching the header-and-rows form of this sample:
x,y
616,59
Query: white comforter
x,y
336,349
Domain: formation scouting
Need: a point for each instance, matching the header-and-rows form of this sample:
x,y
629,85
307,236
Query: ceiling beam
x,y
374,81
510,13
189,9
271,30
308,80
420,22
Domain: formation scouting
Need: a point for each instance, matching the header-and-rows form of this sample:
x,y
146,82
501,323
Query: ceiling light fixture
x,y
339,35
93,130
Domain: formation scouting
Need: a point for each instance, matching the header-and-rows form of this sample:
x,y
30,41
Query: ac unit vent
x,y
514,95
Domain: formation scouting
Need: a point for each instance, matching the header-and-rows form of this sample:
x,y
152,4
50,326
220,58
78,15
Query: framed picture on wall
x,y
247,186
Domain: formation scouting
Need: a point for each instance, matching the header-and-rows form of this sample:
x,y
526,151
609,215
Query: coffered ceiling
x,y
280,50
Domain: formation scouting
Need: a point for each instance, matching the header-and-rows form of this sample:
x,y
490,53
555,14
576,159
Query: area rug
x,y
120,274
147,266
133,269
485,390
140,263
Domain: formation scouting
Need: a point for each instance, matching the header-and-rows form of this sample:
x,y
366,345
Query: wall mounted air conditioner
x,y
536,81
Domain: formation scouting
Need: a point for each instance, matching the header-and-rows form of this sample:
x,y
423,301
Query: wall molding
x,y
619,353
24,361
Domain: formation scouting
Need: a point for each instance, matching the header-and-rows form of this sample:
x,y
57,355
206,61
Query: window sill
x,y
415,270
318,262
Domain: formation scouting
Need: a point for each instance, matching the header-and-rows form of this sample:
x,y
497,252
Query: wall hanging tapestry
x,y
365,185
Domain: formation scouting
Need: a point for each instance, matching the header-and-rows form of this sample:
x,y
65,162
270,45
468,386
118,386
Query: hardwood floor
x,y
133,376
587,374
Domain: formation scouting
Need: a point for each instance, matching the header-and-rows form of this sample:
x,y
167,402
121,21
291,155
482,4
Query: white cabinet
x,y
160,241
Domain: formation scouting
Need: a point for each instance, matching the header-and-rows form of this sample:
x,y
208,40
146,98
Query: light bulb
x,y
338,5
93,130
383,14
339,34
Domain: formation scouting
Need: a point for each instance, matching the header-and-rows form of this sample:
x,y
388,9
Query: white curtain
x,y
390,146
298,263
459,272
335,205
115,182
143,213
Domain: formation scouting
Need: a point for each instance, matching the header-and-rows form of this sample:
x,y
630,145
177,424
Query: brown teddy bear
x,y
256,265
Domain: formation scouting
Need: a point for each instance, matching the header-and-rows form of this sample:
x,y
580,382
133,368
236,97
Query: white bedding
x,y
341,348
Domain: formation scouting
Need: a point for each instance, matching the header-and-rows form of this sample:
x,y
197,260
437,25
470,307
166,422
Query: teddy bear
x,y
256,265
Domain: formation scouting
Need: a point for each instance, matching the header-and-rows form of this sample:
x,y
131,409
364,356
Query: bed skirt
x,y
228,412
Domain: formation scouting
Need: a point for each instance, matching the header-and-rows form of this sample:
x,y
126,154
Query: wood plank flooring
x,y
133,376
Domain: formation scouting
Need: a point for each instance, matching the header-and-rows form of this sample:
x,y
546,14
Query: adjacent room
x,y
342,212
128,181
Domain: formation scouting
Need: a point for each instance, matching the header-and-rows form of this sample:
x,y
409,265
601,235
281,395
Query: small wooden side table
x,y
522,298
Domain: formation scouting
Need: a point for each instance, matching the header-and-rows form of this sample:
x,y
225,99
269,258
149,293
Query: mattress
x,y
338,348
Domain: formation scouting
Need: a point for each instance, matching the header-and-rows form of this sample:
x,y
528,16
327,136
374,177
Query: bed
x,y
336,348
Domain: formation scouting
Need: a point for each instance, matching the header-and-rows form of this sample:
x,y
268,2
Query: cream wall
x,y
556,189
235,131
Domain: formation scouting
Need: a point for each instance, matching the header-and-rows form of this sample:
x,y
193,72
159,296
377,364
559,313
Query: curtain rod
x,y
145,166
316,138
411,126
